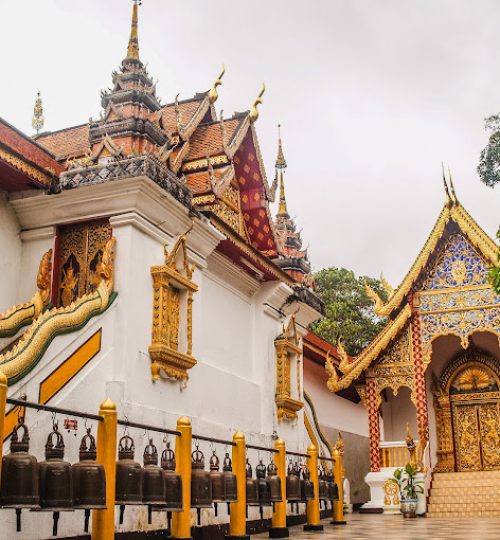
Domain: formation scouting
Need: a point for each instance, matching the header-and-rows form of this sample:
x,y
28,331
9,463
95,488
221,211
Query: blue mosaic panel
x,y
458,266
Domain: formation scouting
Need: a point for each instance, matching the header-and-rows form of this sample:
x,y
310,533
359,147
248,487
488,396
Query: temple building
x,y
143,263
433,372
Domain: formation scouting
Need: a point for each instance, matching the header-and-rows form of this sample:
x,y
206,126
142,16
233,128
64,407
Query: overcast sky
x,y
372,96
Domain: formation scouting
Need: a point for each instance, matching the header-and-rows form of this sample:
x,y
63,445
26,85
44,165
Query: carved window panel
x,y
172,334
79,251
288,395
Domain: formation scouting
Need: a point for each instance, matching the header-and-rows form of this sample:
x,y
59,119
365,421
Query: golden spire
x,y
133,42
254,113
280,159
38,119
282,210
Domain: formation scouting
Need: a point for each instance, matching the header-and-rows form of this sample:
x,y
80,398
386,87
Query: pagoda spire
x,y
133,42
280,168
38,120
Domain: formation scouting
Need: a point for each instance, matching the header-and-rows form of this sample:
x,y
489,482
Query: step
x,y
451,514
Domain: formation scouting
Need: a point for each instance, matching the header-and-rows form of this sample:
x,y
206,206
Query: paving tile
x,y
395,527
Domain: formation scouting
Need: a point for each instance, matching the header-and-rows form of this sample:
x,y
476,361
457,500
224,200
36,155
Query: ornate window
x,y
79,251
172,337
288,372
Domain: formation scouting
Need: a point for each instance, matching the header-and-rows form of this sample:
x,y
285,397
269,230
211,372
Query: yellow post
x,y
103,521
313,517
181,521
338,506
278,527
237,525
3,403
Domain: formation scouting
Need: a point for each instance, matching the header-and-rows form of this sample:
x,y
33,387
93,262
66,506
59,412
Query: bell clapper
x,y
87,519
55,518
122,511
198,511
18,519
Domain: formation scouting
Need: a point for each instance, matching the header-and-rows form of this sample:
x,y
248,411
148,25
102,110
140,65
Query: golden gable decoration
x,y
288,354
173,290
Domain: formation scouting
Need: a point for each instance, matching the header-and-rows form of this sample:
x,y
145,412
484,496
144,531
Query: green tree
x,y
489,161
348,310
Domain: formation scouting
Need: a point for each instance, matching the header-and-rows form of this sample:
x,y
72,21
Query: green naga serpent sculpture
x,y
26,354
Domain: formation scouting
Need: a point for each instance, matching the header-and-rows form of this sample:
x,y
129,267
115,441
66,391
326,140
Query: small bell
x,y
217,479
230,482
333,490
201,485
293,494
153,480
173,483
323,487
306,487
128,476
263,488
20,483
89,479
55,479
252,489
274,482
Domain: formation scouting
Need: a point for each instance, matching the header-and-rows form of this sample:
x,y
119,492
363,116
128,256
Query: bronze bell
x,y
333,490
274,482
201,485
306,487
153,487
323,487
263,488
293,484
217,479
20,487
230,482
252,488
55,478
173,481
89,479
128,476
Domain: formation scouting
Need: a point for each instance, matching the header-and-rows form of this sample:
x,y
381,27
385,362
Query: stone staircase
x,y
464,494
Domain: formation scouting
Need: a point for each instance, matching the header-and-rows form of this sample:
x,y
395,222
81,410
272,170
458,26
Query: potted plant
x,y
410,488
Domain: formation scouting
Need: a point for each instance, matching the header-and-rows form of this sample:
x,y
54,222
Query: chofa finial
x,y
254,113
446,190
38,120
213,94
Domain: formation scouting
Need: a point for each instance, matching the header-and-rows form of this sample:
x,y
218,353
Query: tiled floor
x,y
380,527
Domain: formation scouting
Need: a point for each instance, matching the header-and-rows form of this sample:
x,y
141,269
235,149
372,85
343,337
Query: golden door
x,y
477,435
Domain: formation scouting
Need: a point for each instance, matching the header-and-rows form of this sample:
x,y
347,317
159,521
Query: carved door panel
x,y
467,438
489,421
79,254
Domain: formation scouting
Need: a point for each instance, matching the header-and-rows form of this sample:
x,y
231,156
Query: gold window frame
x,y
173,291
288,351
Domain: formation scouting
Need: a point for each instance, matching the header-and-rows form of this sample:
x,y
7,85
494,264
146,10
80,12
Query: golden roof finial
x,y
213,94
453,194
447,191
38,120
280,159
254,112
133,42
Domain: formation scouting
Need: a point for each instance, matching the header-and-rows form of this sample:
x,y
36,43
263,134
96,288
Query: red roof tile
x,y
66,143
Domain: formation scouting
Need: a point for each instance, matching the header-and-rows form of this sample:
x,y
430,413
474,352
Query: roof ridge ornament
x,y
446,189
213,94
133,42
254,112
454,197
38,120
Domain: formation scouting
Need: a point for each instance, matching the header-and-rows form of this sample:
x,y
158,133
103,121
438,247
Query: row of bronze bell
x,y
53,485
263,491
160,488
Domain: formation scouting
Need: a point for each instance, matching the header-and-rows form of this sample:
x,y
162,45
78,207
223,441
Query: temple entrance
x,y
475,398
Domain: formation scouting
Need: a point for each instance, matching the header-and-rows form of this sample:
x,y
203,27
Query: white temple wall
x,y
396,412
10,255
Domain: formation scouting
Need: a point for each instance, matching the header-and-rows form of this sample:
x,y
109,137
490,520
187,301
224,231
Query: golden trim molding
x,y
15,161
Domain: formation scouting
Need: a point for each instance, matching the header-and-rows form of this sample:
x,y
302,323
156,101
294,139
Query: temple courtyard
x,y
389,527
